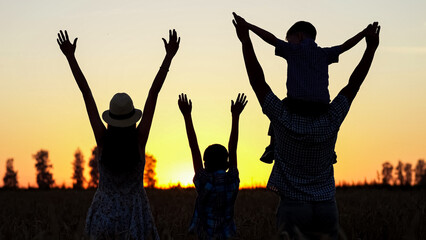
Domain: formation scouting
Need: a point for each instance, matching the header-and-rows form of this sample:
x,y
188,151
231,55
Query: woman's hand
x,y
67,48
173,45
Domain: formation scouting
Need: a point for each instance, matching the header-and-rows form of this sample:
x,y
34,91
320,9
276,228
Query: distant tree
x,y
420,172
408,174
378,177
78,176
94,171
399,175
149,176
387,173
44,177
10,179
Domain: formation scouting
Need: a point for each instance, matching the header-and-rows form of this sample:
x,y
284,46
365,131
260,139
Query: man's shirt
x,y
304,149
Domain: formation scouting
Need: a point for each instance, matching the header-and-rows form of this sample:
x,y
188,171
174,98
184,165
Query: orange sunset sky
x,y
120,49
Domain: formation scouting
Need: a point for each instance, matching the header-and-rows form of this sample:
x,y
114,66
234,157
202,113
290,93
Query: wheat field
x,y
365,213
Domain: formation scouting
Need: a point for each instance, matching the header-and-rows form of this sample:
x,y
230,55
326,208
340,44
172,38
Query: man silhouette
x,y
305,140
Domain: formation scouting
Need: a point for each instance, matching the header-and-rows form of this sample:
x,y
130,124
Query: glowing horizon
x,y
120,49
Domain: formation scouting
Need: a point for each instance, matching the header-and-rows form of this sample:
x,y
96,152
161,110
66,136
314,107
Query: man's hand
x,y
360,73
241,26
239,105
372,35
185,106
67,48
173,45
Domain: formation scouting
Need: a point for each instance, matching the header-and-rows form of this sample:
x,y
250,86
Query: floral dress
x,y
120,208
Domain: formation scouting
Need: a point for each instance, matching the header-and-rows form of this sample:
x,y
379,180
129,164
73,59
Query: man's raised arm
x,y
351,42
254,70
357,78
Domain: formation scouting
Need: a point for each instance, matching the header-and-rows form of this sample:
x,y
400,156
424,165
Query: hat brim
x,y
122,122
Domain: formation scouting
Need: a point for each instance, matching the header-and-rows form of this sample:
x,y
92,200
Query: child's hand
x,y
240,21
240,103
67,48
173,45
241,26
372,35
184,106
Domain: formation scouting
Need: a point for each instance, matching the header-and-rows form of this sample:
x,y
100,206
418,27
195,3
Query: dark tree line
x,y
402,174
10,179
150,179
78,175
94,171
149,174
45,178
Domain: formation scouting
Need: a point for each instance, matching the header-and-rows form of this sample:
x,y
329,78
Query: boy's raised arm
x,y
148,112
262,33
68,50
360,72
351,42
185,107
236,109
254,70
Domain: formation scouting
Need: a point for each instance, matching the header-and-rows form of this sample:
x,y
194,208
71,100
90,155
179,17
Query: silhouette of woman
x,y
120,207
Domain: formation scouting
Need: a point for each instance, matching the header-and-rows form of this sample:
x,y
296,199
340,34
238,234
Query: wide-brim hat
x,y
121,111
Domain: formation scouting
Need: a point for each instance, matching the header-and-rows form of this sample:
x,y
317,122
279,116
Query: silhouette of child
x,y
120,208
217,188
307,71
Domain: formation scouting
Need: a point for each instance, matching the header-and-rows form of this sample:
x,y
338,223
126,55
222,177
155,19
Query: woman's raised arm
x,y
148,112
68,50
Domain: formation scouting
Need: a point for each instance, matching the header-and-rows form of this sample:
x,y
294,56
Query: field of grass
x,y
365,213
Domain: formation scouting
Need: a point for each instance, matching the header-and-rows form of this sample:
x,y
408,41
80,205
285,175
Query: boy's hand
x,y
241,26
67,48
173,45
238,106
372,35
240,20
185,106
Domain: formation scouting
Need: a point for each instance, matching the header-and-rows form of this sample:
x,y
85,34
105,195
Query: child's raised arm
x,y
350,43
68,50
254,70
263,34
148,112
236,109
185,107
358,75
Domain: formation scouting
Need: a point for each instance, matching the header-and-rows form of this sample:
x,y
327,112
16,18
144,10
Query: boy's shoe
x,y
268,155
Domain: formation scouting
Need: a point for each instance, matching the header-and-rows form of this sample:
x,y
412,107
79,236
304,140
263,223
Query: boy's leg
x,y
268,155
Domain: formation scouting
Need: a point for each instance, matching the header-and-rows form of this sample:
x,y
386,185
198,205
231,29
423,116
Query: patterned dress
x,y
120,208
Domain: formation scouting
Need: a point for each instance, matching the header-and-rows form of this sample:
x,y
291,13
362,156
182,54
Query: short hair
x,y
215,158
305,27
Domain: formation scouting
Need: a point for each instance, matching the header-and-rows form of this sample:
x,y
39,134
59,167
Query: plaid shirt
x,y
304,150
214,208
307,71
